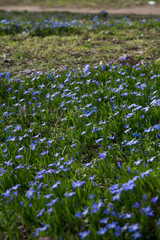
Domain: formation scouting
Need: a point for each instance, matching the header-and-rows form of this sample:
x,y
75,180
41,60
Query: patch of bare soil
x,y
146,10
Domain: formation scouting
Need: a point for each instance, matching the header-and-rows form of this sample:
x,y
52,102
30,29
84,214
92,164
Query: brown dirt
x,y
146,10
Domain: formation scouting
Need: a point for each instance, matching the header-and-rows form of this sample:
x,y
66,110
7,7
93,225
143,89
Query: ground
x,y
143,10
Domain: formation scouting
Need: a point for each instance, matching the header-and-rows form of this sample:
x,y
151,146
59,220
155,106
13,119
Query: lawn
x,y
80,126
47,41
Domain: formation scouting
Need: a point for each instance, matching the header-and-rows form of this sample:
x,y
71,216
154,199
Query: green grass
x,y
83,3
72,129
22,52
79,144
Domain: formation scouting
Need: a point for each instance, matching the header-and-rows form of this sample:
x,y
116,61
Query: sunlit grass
x,y
42,41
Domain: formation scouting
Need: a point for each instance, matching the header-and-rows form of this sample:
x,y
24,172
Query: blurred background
x,y
80,3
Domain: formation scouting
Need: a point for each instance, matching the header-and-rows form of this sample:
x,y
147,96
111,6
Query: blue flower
x,y
125,227
40,213
102,231
117,196
136,235
157,127
154,199
158,223
148,211
74,145
85,211
6,194
119,165
77,184
117,231
146,173
136,205
112,225
103,155
50,210
138,162
104,220
127,215
114,188
69,194
145,197
30,193
84,234
55,185
151,159
48,196
106,211
86,68
92,196
96,207
54,201
99,140
16,187
134,227
78,215
41,229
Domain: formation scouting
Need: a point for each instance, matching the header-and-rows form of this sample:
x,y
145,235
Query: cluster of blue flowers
x,y
80,150
44,27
